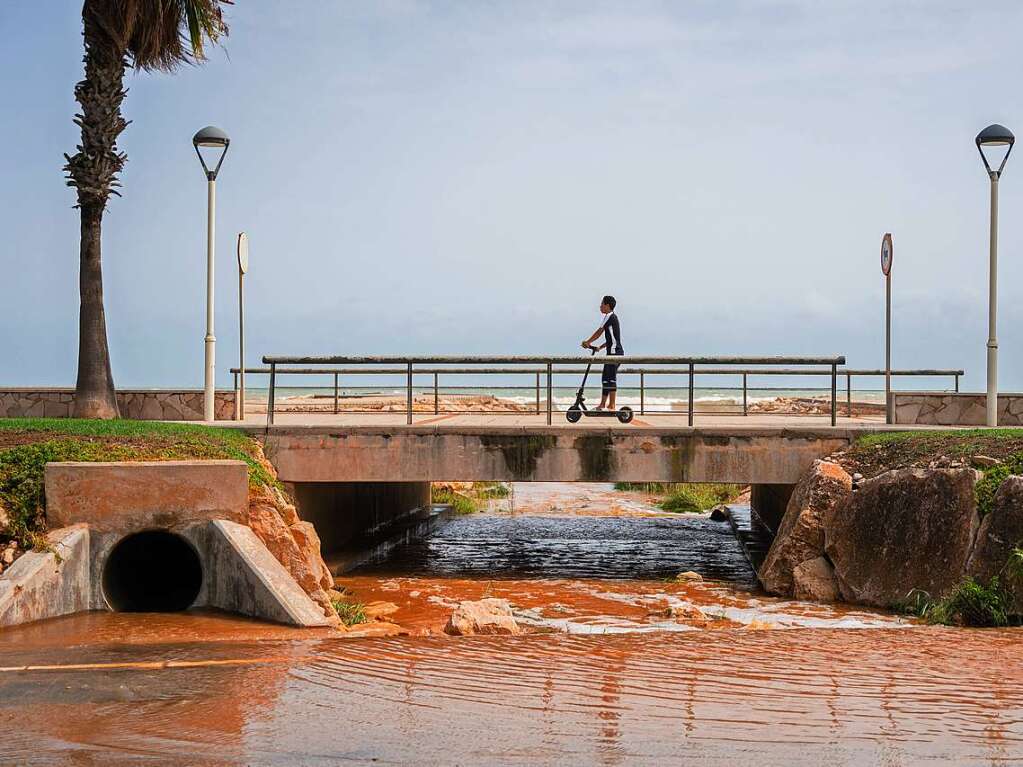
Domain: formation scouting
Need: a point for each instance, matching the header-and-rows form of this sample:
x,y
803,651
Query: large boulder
x,y
1000,531
487,616
814,581
905,530
800,536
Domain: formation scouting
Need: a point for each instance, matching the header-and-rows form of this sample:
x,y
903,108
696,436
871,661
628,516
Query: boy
x,y
612,331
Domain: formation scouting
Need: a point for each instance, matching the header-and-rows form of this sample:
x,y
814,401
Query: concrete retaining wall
x,y
126,497
46,584
137,404
436,453
195,505
955,408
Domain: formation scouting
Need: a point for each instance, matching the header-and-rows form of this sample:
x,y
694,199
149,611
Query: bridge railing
x,y
545,368
642,389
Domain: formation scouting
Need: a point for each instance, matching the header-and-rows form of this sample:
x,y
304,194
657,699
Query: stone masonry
x,y
139,404
955,408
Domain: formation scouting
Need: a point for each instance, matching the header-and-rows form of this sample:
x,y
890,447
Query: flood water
x,y
621,665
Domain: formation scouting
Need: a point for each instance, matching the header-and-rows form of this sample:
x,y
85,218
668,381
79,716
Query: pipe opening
x,y
152,571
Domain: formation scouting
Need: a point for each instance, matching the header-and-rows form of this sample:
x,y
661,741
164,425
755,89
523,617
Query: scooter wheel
x,y
625,414
573,414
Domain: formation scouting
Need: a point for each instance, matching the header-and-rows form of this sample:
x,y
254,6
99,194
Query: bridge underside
x,y
437,453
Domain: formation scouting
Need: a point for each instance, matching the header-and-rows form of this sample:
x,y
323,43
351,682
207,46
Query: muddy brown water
x,y
609,678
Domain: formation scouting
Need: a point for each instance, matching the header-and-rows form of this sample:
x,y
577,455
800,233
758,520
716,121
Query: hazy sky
x,y
428,177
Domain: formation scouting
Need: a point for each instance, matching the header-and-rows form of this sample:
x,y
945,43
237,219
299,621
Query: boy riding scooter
x,y
612,331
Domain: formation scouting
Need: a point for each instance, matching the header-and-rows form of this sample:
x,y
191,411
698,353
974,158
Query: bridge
x,y
420,439
360,458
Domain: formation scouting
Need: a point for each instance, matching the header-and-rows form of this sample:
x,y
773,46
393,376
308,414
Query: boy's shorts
x,y
609,379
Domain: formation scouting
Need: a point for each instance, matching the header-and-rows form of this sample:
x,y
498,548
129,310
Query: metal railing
x,y
408,367
642,373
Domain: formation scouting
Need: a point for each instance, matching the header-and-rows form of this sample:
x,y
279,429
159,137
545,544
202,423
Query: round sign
x,y
886,254
243,252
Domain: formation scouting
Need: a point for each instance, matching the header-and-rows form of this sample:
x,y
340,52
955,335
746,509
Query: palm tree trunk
x,y
93,172
94,390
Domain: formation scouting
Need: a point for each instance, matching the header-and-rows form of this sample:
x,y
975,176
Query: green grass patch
x,y
685,497
28,444
350,613
469,501
970,603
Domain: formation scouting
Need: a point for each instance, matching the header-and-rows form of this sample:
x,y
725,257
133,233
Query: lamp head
x,y
995,136
211,138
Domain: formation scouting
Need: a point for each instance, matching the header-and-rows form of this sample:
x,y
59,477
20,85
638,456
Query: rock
x,y
309,542
307,570
690,615
985,461
903,530
800,536
1000,531
814,581
5,519
688,577
7,557
857,477
487,616
720,513
377,610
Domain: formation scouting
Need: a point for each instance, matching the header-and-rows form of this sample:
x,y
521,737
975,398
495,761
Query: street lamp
x,y
993,136
212,139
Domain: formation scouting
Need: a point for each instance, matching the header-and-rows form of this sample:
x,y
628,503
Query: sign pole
x,y
886,268
243,267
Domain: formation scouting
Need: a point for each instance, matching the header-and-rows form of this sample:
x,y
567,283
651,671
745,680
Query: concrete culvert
x,y
152,571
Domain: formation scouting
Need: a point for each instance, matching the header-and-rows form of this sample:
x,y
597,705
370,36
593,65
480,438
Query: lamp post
x,y
213,139
993,136
243,267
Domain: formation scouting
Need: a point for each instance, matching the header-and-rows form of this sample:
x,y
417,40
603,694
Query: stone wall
x,y
137,404
955,408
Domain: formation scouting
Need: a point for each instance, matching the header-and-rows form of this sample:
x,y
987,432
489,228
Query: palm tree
x,y
145,35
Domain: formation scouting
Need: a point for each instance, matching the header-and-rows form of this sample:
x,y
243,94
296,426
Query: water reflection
x,y
837,697
528,546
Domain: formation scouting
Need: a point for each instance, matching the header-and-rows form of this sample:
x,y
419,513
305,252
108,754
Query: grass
x,y
28,444
350,613
470,501
971,603
683,497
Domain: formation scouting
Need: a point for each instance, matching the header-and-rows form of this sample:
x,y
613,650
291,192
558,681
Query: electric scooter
x,y
579,409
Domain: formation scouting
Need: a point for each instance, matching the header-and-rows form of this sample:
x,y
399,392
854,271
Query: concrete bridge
x,y
377,453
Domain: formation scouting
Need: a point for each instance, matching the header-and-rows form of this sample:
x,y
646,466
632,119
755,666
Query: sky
x,y
426,177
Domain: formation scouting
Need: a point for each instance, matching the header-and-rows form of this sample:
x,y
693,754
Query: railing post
x,y
834,393
550,393
848,394
691,374
642,397
409,395
957,383
436,395
237,400
538,392
270,397
745,408
336,404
